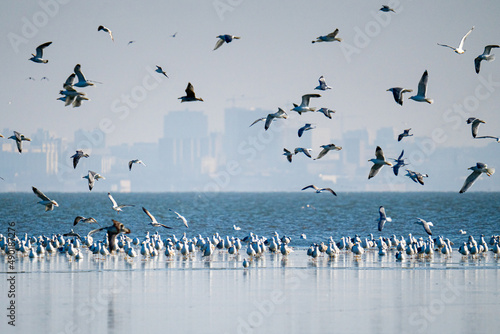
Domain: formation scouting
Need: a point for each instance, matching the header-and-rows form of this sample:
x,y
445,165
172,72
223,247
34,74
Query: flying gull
x,y
422,87
39,54
82,82
400,162
406,133
460,48
180,217
288,154
383,218
19,137
322,84
161,71
47,202
386,9
190,95
484,56
80,219
76,157
327,112
475,125
416,177
397,93
304,105
318,190
116,207
154,222
271,117
306,151
306,127
378,162
103,28
224,39
425,224
135,161
327,148
92,177
331,37
477,170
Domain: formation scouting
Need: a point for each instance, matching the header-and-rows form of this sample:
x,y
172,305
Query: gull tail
x,y
430,101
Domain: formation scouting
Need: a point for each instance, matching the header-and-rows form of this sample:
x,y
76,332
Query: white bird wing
x,y
306,98
470,181
79,73
153,219
39,49
487,49
69,81
374,170
179,216
379,153
258,120
310,186
112,200
463,39
333,34
477,64
269,120
219,43
40,194
447,46
322,153
422,84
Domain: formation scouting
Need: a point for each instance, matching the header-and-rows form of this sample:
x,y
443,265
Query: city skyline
x,y
243,158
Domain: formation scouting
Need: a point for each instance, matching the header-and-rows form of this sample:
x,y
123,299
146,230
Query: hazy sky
x,y
271,66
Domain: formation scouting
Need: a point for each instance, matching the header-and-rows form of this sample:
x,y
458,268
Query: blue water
x,y
262,213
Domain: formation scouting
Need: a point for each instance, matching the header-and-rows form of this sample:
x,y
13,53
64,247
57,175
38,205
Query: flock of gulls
x,y
116,241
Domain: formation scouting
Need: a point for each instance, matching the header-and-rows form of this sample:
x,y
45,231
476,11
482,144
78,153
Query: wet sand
x,y
296,295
